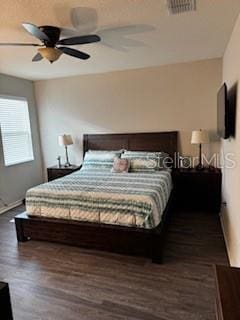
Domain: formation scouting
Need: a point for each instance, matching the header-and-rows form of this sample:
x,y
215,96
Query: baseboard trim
x,y
225,239
11,206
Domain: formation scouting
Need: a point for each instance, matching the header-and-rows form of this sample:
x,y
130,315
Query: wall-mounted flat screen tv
x,y
223,113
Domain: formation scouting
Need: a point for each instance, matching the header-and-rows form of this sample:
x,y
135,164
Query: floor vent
x,y
181,6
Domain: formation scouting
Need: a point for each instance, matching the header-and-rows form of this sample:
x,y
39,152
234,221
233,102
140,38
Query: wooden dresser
x,y
228,293
5,302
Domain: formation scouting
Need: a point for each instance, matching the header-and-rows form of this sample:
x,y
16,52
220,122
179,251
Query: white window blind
x,y
15,130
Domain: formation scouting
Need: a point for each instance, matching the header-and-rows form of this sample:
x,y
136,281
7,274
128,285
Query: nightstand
x,y
198,190
56,172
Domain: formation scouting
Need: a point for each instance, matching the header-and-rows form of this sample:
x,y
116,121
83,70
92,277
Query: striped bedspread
x,y
129,199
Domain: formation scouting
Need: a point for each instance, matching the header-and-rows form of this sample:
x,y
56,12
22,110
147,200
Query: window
x,y
15,130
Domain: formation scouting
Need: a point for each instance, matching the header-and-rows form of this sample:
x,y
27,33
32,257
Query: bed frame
x,y
113,238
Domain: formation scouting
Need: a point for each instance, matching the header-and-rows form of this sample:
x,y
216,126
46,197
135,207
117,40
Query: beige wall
x,y
17,179
177,97
231,181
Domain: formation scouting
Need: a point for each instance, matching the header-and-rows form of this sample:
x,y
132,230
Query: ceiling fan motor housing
x,y
53,34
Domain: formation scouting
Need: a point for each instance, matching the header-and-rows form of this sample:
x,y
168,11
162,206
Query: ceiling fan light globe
x,y
51,54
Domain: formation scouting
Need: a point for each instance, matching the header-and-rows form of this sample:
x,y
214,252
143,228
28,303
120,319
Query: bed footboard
x,y
123,240
19,224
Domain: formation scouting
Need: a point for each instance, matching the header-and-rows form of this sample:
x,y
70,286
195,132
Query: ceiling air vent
x,y
181,6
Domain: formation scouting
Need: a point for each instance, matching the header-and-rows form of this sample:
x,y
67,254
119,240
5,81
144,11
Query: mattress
x,y
128,199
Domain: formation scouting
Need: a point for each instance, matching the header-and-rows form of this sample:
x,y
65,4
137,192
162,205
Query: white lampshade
x,y
65,140
199,136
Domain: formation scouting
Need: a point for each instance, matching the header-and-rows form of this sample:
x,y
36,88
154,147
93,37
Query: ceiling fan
x,y
84,20
52,47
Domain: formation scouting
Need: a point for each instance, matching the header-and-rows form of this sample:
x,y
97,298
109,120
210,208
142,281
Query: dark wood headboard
x,y
149,141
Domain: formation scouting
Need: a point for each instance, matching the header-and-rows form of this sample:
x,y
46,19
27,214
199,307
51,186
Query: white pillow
x,y
146,161
100,160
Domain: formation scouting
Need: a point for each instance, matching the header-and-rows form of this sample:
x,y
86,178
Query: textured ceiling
x,y
159,38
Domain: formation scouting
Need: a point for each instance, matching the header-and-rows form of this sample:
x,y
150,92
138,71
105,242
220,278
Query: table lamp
x,y
200,137
65,140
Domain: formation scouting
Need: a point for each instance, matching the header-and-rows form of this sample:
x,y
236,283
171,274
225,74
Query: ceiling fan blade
x,y
80,40
74,53
127,29
21,44
84,20
37,57
35,31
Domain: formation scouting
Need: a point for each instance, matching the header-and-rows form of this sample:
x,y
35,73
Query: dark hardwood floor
x,y
56,282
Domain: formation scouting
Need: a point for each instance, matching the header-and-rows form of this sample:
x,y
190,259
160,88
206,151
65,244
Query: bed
x,y
127,199
123,213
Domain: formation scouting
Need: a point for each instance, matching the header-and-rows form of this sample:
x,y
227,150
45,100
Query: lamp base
x,y
67,164
199,167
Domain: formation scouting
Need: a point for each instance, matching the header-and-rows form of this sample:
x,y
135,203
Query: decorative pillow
x,y
99,160
142,161
143,165
120,165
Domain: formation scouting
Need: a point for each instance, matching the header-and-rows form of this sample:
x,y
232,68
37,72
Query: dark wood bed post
x,y
112,238
159,235
85,144
19,224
